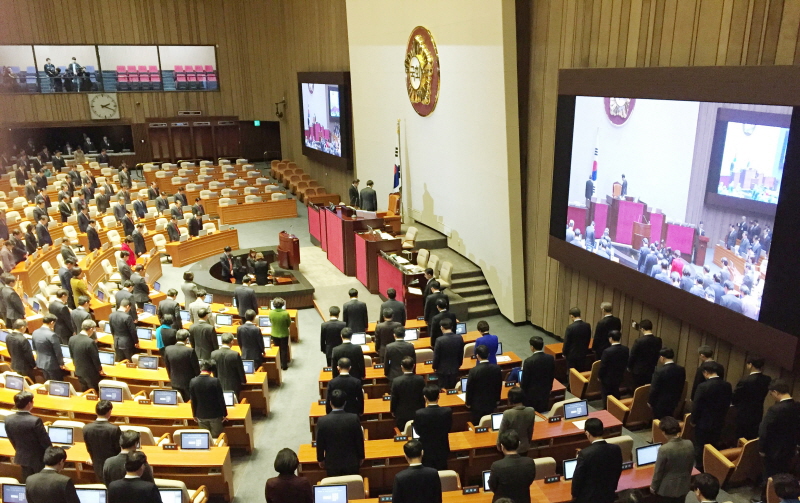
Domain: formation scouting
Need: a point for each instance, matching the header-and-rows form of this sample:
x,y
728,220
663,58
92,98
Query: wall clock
x,y
422,71
103,106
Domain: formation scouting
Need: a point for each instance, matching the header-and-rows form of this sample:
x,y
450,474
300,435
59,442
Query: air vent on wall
x,y
180,124
226,123
190,112
201,123
158,124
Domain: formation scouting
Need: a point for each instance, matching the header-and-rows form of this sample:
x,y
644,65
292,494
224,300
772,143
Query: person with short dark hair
x,y
350,385
63,327
433,423
576,341
397,307
486,339
92,236
384,333
250,340
102,437
81,311
396,352
778,433
484,384
22,360
226,264
133,488
512,476
49,485
14,309
786,487
710,406
353,193
448,354
604,326
612,366
203,336
229,368
672,476
181,363
748,398
666,388
432,300
281,321
85,357
170,306
368,198
644,354
208,402
114,467
538,372
352,352
435,326
705,487
704,354
417,483
354,313
340,439
27,435
406,393
598,469
245,297
48,350
287,487
123,329
518,418
331,334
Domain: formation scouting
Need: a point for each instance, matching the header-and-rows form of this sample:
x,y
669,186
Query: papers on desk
x,y
414,290
463,397
580,424
503,359
400,260
386,235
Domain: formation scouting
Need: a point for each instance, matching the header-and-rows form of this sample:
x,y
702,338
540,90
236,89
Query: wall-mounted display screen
x,y
67,68
324,117
18,69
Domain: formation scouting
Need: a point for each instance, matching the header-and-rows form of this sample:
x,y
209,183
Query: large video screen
x,y
637,192
324,117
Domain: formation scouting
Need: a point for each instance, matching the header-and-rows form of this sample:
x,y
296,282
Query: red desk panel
x,y
628,213
361,261
656,227
578,215
680,238
390,277
313,222
336,237
600,218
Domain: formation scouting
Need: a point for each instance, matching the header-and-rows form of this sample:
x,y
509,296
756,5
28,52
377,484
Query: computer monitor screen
x,y
224,320
414,433
111,394
569,468
647,455
144,333
3,433
3,335
93,495
499,349
35,306
411,334
267,342
329,494
165,397
230,398
359,338
485,478
264,321
103,326
30,341
574,410
200,440
464,384
59,388
171,495
150,309
497,418
15,382
59,435
249,366
186,316
106,357
461,328
148,362
209,298
100,295
157,286
65,351
14,493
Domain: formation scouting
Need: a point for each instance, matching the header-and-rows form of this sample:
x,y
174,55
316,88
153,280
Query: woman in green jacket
x,y
280,329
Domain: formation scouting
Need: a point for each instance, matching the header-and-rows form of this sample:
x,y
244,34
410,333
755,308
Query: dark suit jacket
x,y
330,336
356,356
133,491
83,221
169,306
288,488
384,335
124,269
123,329
64,327
407,399
392,359
666,389
603,327
644,355
251,342
182,365
340,442
139,246
433,426
435,329
14,308
398,311
352,388
612,366
369,199
778,434
80,315
28,437
576,343
203,339
22,361
208,402
49,486
140,208
354,314
448,354
711,404
85,357
484,383
748,398
417,484
226,263
430,305
176,212
597,473
122,295
195,226
48,349
353,193
141,292
699,379
511,477
43,235
114,469
102,442
173,232
538,372
161,204
127,225
230,370
245,299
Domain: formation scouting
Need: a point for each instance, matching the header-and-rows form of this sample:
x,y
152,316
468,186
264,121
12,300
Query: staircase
x,y
472,287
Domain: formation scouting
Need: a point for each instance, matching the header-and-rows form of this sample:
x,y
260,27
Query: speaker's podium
x,y
700,250
641,230
288,250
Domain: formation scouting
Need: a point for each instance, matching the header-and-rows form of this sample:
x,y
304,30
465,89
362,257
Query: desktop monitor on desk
x,y
230,398
249,366
96,496
111,394
576,410
647,455
497,418
195,440
411,335
165,397
209,298
464,384
100,295
148,362
569,468
267,341
157,286
65,353
60,435
3,433
359,338
59,388
264,321
224,320
150,309
144,333
461,328
169,495
186,316
35,306
14,493
15,382
106,357
328,494
485,478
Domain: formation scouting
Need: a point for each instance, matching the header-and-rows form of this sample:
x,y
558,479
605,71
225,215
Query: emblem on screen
x,y
422,71
619,110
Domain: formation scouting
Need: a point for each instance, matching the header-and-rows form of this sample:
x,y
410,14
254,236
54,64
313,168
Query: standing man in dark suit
x,y
417,483
384,333
672,476
484,383
9,297
576,341
58,308
428,278
667,385
85,357
704,354
27,435
123,268
397,307
123,329
208,402
126,220
435,328
176,210
181,363
350,386
42,234
589,192
250,340
340,439
170,306
141,292
139,206
448,355
624,191
83,217
132,488
352,352
406,393
353,193
613,363
48,350
180,197
538,372
102,437
354,313
172,230
197,208
779,432
644,354
368,197
598,469
748,398
512,476
139,246
396,352
126,293
65,209
432,300
606,324
202,335
711,404
433,423
226,264
229,368
49,485
22,361
245,297
102,200
331,334
114,467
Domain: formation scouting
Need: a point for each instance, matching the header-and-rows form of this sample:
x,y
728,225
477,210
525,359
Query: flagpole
x,y
400,160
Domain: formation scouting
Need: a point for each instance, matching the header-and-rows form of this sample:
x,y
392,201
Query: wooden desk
x,y
322,199
391,276
480,497
187,252
30,272
367,248
421,343
410,323
340,240
255,212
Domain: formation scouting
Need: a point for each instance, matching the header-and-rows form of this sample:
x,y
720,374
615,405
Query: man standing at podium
x,y
624,187
589,191
354,193
368,198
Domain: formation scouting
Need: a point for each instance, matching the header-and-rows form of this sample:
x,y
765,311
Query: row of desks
x,y
190,251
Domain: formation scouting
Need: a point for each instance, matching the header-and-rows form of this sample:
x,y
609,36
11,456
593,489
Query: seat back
x,y
545,467
174,484
126,391
469,349
558,408
278,196
450,480
585,387
145,434
626,444
411,236
77,428
354,483
433,263
445,272
749,464
422,257
641,413
424,355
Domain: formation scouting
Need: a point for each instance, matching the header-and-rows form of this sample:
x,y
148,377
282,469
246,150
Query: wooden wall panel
x,y
583,34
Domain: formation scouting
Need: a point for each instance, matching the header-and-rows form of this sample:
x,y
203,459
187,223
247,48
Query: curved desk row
x,y
256,212
187,252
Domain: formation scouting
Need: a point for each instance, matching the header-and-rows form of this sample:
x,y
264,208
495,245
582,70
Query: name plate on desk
x,y
384,499
628,465
145,402
322,402
470,490
481,429
509,384
41,391
131,365
420,318
387,398
378,366
327,369
432,377
552,480
452,391
428,362
401,438
91,397
554,419
169,447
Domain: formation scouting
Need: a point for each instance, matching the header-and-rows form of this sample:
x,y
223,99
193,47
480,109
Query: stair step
x,y
480,299
473,291
483,311
466,274
468,283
